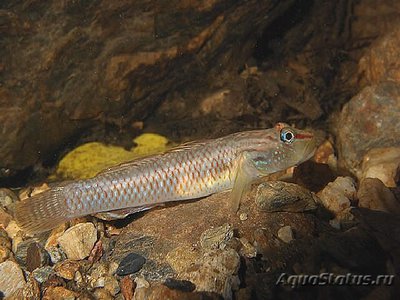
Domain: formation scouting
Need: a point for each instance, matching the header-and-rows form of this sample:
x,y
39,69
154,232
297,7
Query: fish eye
x,y
287,136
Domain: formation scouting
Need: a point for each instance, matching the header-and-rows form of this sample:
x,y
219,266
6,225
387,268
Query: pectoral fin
x,y
243,180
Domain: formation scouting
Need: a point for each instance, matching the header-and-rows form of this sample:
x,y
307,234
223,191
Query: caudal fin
x,y
43,211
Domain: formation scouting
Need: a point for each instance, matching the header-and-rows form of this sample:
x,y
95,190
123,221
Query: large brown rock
x,y
68,65
369,120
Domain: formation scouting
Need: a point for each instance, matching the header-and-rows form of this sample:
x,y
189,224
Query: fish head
x,y
284,147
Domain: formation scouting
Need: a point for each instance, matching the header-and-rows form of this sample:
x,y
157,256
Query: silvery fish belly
x,y
193,170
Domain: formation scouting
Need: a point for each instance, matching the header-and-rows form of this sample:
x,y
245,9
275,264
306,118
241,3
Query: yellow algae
x,y
149,143
89,159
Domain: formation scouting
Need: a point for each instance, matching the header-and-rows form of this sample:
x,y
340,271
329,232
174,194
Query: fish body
x,y
193,170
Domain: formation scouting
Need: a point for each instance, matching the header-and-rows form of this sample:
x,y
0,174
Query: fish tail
x,y
43,211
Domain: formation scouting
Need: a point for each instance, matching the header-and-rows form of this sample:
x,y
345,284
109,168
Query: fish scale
x,y
190,171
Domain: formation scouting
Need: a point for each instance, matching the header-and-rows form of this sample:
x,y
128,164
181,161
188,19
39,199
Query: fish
x,y
190,171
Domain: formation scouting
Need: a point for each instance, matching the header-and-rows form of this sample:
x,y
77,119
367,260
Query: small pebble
x,y
11,277
97,275
36,257
5,253
276,196
247,249
31,290
22,251
217,237
381,163
182,258
59,293
285,233
243,217
141,282
111,285
5,218
181,285
102,294
373,194
56,254
67,268
7,200
338,195
127,287
15,233
130,264
78,278
78,241
42,274
217,272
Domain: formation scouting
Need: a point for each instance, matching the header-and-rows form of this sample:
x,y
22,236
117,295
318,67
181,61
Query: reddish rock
x,y
382,60
75,64
369,120
127,287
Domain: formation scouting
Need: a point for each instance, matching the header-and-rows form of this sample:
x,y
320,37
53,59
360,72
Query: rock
x,y
325,154
181,285
130,264
338,195
4,239
141,282
102,294
247,249
7,200
369,120
22,250
36,257
67,268
215,238
127,287
5,218
98,274
373,194
381,60
56,254
59,293
243,217
11,278
15,233
53,280
282,196
42,274
78,241
5,253
182,258
96,252
55,234
111,285
31,289
381,163
174,251
217,272
285,233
